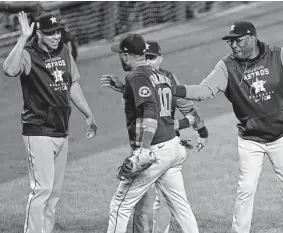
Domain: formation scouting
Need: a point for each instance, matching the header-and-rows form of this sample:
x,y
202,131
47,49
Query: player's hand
x,y
186,143
26,29
109,80
202,138
201,143
92,127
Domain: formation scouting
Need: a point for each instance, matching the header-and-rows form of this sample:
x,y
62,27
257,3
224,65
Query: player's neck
x,y
139,63
44,47
255,53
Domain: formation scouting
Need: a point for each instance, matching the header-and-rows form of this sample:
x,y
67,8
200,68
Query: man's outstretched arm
x,y
216,81
18,59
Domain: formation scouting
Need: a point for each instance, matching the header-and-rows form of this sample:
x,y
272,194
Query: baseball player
x,y
251,78
161,214
49,78
147,103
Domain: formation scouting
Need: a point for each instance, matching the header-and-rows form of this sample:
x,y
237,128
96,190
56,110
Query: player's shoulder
x,y
146,70
167,73
227,58
265,48
64,47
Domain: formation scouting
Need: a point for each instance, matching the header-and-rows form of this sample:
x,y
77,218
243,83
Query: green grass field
x,y
90,181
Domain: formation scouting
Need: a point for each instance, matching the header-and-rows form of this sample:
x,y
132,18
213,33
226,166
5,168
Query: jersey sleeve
x,y
143,90
217,80
74,69
184,105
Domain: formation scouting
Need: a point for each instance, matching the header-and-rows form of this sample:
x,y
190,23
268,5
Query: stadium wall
x,y
92,21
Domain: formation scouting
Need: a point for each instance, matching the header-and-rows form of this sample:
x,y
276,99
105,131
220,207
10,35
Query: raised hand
x,y
109,80
25,27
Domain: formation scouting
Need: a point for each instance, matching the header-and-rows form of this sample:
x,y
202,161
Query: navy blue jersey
x,y
146,86
255,90
46,90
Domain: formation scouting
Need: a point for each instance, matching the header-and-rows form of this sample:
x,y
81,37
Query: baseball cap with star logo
x,y
239,29
48,22
152,48
130,43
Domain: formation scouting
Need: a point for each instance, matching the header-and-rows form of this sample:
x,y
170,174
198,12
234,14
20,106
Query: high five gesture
x,y
26,29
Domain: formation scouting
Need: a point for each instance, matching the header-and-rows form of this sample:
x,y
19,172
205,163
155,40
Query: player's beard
x,y
125,66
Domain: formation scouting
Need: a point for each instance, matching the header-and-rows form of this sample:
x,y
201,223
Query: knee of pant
x,y
117,209
247,189
43,191
56,192
117,205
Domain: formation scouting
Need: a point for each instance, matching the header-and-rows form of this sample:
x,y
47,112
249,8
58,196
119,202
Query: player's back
x,y
151,86
171,77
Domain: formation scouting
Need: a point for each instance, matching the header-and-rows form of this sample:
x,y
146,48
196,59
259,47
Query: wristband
x,y
203,132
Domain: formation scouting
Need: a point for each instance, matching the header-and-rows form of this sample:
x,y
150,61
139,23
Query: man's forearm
x,y
79,100
181,123
12,63
149,126
199,123
193,92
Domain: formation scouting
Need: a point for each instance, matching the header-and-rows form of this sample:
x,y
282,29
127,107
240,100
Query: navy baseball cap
x,y
48,22
152,48
239,29
130,43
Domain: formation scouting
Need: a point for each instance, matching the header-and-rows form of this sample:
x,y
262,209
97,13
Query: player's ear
x,y
253,40
126,57
161,59
39,34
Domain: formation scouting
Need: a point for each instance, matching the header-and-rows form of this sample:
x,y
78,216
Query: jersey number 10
x,y
165,98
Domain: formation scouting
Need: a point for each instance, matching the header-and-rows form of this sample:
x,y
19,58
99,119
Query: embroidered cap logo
x,y
53,19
